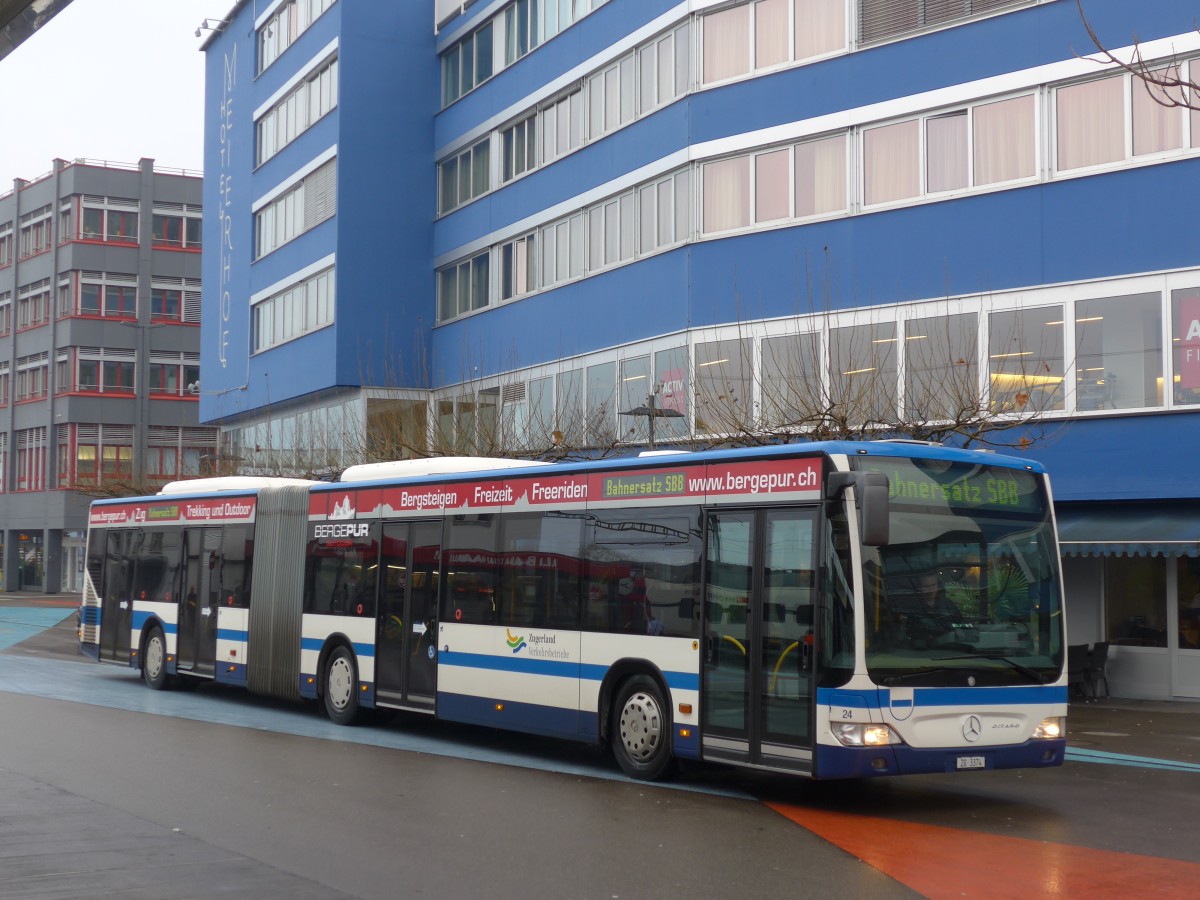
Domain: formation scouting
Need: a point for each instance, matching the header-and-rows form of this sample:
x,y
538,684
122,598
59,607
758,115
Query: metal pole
x,y
650,406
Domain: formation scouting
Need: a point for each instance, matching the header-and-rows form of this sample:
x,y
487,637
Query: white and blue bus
x,y
831,610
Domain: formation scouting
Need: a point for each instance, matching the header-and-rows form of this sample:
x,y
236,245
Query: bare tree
x,y
1162,78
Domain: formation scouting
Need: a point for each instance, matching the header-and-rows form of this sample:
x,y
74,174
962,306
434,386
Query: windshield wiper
x,y
919,673
1033,675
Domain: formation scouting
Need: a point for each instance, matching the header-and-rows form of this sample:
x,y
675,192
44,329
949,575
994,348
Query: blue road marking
x,y
19,623
1079,754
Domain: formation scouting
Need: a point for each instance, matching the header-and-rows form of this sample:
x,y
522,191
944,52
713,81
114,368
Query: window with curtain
x,y
727,44
1091,123
820,27
727,194
770,33
946,152
820,176
772,191
1004,140
1157,124
892,162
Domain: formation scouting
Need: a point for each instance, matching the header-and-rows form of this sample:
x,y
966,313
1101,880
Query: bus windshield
x,y
967,592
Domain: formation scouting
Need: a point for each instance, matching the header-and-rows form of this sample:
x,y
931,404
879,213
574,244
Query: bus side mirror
x,y
872,492
871,498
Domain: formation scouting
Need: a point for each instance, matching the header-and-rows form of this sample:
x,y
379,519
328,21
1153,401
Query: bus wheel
x,y
641,730
341,687
154,660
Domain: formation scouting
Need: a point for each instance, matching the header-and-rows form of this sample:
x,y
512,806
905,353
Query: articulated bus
x,y
829,610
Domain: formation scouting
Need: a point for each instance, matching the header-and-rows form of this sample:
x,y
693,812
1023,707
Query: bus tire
x,y
154,659
641,730
341,687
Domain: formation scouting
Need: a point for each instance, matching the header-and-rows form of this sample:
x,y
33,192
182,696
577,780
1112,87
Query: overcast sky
x,y
107,79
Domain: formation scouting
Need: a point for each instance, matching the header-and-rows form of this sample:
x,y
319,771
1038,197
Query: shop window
x,y
1135,600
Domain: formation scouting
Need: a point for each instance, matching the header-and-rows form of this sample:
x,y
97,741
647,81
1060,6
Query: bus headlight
x,y
1051,727
864,734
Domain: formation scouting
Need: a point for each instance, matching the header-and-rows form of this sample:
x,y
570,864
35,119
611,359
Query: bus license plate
x,y
971,762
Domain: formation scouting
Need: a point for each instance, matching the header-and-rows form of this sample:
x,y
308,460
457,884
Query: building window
x,y
941,367
33,305
288,22
518,267
601,406
892,162
727,194
880,19
562,126
519,146
727,44
6,245
31,459
820,168
176,231
463,287
664,68
862,371
166,304
1004,140
1091,123
34,231
724,385
1185,344
297,112
295,311
521,29
32,377
611,227
791,380
300,209
1118,349
5,312
467,64
610,97
109,219
464,176
1025,359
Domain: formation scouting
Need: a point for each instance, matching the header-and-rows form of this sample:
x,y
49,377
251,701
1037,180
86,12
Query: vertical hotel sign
x,y
1189,344
225,200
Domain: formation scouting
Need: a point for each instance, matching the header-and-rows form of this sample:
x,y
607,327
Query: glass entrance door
x,y
406,648
760,592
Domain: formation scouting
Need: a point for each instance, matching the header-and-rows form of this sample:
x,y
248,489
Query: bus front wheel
x,y
641,730
154,660
341,687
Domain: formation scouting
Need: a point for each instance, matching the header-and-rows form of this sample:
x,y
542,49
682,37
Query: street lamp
x,y
652,411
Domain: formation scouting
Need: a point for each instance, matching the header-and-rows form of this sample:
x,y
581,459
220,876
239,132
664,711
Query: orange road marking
x,y
944,862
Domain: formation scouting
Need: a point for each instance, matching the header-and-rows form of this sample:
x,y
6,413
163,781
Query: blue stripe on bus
x,y
140,619
318,644
526,665
232,634
511,715
943,696
90,615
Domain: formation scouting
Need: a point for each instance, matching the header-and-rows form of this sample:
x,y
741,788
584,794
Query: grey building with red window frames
x,y
99,352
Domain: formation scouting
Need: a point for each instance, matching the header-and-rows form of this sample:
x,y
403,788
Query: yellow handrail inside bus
x,y
782,657
735,643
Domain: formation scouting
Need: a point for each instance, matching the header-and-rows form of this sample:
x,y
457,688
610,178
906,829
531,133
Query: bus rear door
x,y
196,645
406,644
757,690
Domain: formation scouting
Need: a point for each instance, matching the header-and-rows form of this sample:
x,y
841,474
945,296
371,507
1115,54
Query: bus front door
x,y
406,642
196,643
757,690
116,593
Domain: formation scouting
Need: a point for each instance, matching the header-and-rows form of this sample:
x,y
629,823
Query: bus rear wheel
x,y
154,660
641,730
341,687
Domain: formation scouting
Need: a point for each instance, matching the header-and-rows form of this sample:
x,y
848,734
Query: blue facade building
x,y
505,224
